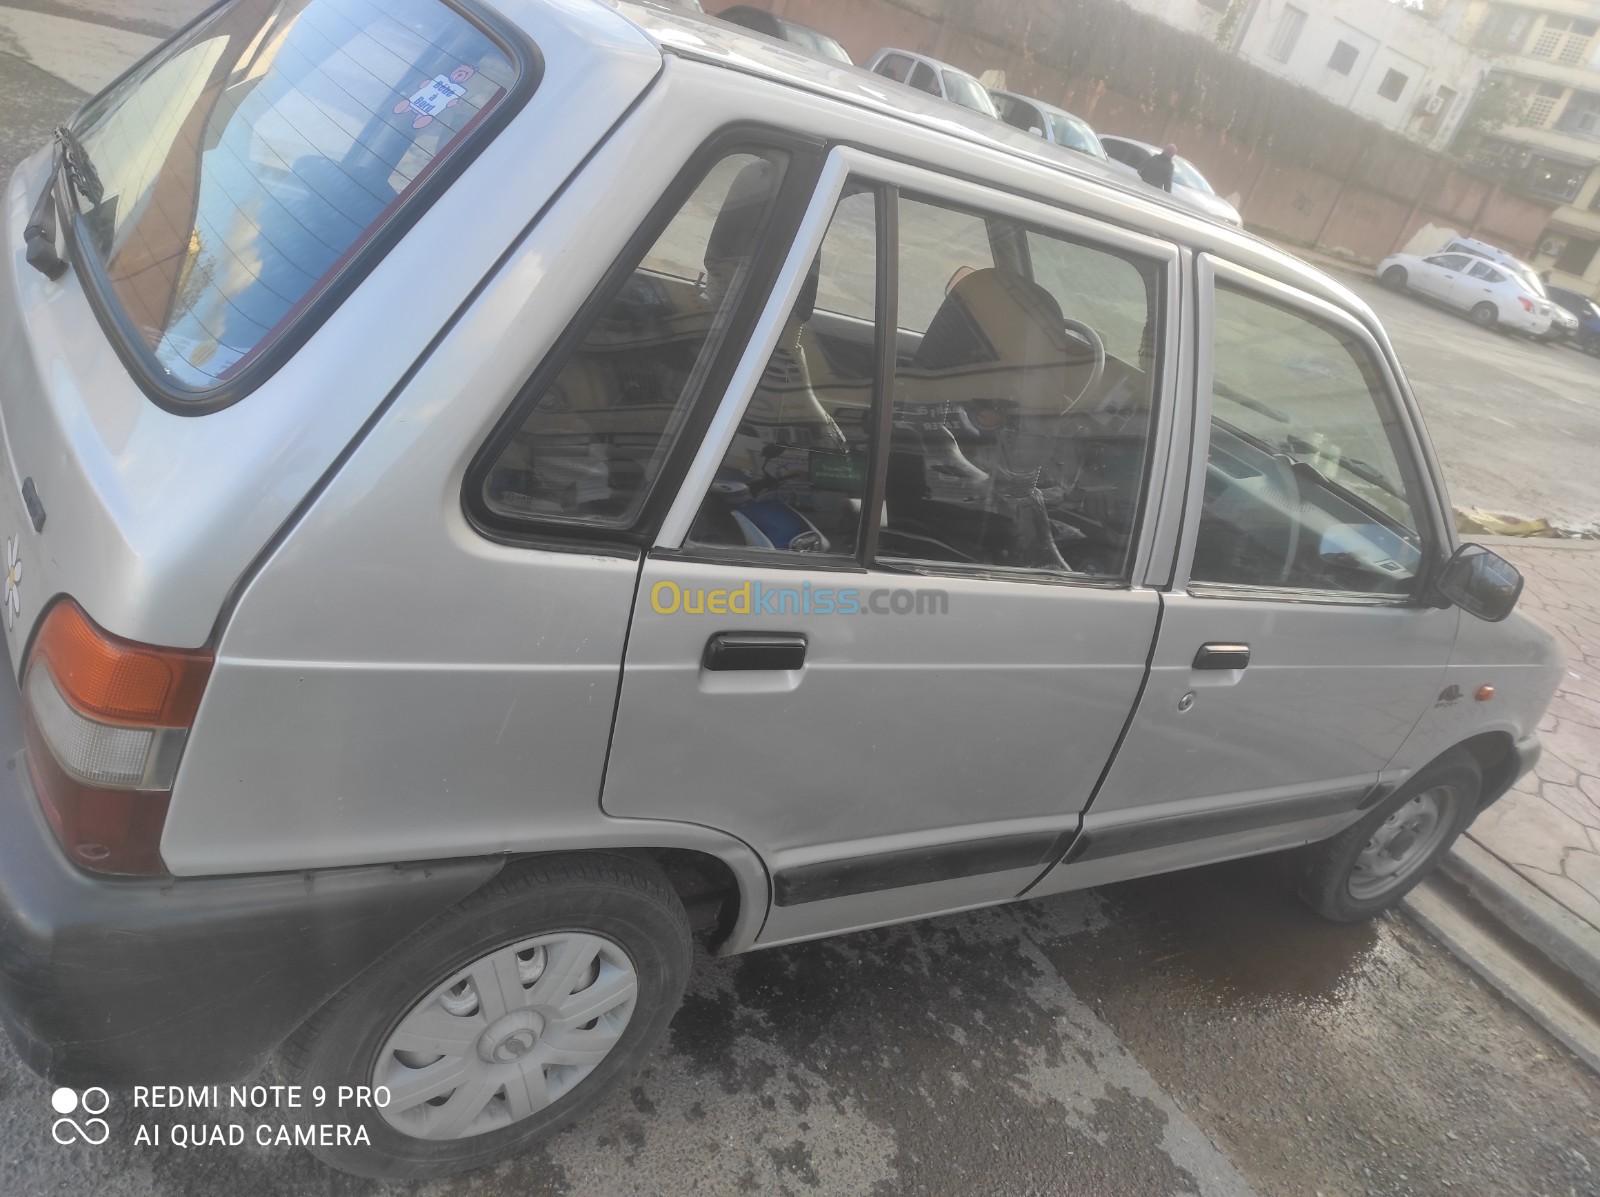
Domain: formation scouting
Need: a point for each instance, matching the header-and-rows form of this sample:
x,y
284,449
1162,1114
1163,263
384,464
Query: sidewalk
x,y
1547,829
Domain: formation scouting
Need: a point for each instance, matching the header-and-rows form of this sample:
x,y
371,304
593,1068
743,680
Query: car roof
x,y
731,47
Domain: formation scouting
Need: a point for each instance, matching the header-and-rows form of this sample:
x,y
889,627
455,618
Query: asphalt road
x,y
1200,1033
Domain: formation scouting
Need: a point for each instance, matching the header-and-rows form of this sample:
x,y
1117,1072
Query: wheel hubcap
x,y
1401,844
506,1036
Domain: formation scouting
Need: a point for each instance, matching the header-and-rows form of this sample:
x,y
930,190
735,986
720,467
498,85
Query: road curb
x,y
1527,912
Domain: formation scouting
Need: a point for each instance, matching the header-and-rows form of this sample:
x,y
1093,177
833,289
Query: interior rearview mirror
x,y
1481,583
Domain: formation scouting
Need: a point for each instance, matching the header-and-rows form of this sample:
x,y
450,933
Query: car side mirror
x,y
1035,130
1481,583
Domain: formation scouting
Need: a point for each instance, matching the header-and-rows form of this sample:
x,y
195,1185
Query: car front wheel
x,y
1367,868
506,1018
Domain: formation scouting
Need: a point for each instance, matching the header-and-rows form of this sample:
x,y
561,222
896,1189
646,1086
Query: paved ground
x,y
1548,828
1516,424
1193,1034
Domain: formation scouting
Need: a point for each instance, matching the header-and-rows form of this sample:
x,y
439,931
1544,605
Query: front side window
x,y
237,174
1457,262
594,436
1309,483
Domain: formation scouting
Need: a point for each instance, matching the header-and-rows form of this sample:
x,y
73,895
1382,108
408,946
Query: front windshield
x,y
967,93
1184,172
1075,135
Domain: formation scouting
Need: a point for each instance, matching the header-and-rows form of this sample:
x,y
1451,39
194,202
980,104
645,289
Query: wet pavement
x,y
1201,1033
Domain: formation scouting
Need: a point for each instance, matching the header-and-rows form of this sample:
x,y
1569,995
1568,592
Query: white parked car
x,y
934,77
1491,294
1188,184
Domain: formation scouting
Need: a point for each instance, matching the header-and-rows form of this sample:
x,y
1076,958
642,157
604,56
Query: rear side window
x,y
240,174
590,440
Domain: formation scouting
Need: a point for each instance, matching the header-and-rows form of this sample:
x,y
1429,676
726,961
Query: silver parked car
x,y
478,521
1055,125
932,76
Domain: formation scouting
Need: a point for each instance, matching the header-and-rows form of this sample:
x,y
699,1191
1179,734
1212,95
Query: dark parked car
x,y
1588,314
810,40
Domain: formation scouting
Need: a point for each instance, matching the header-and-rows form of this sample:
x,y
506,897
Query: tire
x,y
1395,278
1485,315
623,908
1336,883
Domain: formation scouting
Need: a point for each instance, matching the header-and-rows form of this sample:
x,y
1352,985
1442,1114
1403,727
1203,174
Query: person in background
x,y
1158,170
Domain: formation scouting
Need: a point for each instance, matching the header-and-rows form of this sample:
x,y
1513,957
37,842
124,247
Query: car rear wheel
x,y
1485,315
1395,278
506,1018
1367,868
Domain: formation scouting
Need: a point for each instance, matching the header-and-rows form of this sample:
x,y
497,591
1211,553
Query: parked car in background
x,y
1491,294
803,37
934,77
1584,311
1055,125
1188,184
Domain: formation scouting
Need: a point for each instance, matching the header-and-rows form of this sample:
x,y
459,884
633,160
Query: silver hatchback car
x,y
496,494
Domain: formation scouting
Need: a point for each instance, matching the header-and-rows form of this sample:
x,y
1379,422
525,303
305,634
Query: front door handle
x,y
1222,656
755,651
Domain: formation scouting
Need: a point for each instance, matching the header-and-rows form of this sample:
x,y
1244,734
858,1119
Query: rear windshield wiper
x,y
39,236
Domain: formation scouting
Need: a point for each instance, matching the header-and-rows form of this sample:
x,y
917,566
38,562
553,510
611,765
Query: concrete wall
x,y
1299,167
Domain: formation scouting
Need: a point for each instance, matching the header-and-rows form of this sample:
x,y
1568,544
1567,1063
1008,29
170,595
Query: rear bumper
x,y
180,981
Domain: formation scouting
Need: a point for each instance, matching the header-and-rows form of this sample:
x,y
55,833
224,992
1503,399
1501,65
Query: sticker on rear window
x,y
434,96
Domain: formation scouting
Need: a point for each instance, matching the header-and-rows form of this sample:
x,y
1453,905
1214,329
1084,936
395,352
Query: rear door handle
x,y
755,651
1222,656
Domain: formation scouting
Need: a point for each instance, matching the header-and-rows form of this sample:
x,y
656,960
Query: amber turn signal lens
x,y
115,680
1484,692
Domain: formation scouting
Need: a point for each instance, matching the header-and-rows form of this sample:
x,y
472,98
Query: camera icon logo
x,y
92,1130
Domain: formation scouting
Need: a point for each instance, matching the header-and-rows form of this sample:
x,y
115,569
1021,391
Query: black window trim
x,y
124,336
1411,457
887,314
578,533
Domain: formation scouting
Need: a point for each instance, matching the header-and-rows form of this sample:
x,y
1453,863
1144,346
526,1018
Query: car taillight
x,y
106,721
1527,304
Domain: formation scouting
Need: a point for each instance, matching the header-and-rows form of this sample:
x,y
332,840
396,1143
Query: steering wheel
x,y
1097,347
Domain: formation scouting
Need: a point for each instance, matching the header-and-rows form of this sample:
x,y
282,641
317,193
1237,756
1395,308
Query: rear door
x,y
886,635
1296,651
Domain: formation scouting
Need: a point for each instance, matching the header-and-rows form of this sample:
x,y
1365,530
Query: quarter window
x,y
1309,482
593,438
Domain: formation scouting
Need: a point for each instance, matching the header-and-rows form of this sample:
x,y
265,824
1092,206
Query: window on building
x,y
1542,105
1287,35
1440,107
1505,29
1555,179
1564,40
1344,58
1582,116
1577,256
1393,85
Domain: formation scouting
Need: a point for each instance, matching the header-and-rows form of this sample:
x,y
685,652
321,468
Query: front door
x,y
887,635
1443,276
1300,653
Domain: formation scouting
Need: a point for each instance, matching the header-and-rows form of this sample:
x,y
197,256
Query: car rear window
x,y
240,173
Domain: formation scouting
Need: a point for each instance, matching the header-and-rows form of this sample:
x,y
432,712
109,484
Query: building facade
x,y
1401,65
1546,59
